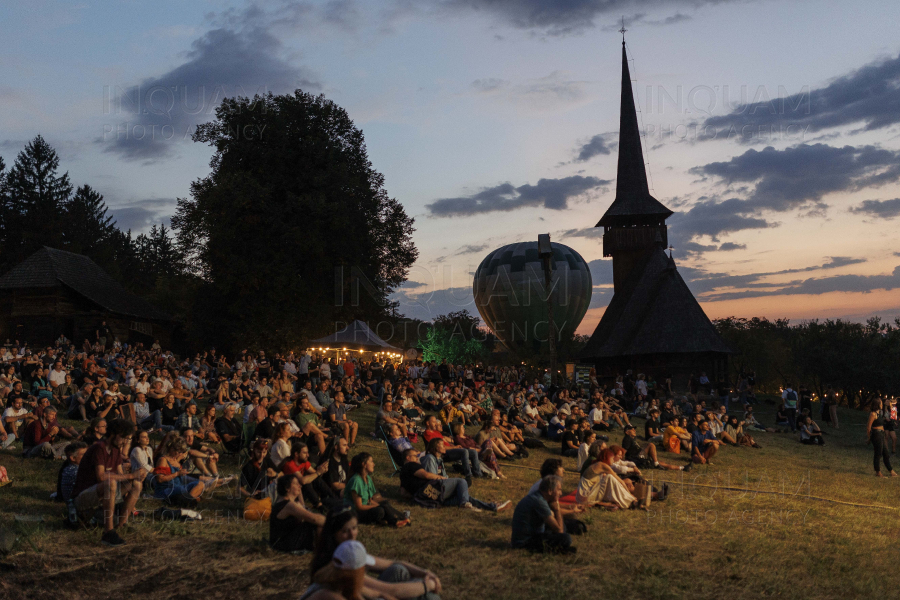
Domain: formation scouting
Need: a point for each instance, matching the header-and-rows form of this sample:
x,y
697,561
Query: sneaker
x,y
111,538
470,506
687,467
503,505
406,515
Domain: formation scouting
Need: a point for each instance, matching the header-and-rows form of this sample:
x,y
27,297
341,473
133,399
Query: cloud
x,y
139,216
601,272
802,175
563,17
870,95
163,110
703,283
472,249
596,146
549,193
641,19
713,218
886,209
489,85
428,304
823,285
729,246
587,232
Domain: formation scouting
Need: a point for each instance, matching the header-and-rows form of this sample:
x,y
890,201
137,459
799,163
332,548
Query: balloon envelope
x,y
511,294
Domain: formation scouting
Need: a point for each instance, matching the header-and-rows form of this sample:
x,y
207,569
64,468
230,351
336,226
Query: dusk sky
x,y
772,129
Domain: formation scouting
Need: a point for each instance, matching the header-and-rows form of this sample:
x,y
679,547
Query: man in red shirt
x,y
40,435
101,482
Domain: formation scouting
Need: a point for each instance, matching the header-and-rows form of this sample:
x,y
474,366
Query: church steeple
x,y
631,177
633,199
635,219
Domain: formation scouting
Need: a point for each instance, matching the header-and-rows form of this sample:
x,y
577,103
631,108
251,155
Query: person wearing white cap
x,y
395,579
344,576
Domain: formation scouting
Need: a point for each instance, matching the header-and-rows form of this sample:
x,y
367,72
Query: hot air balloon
x,y
511,295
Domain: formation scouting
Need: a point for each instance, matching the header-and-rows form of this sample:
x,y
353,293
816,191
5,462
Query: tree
x,y
34,204
455,337
87,227
293,216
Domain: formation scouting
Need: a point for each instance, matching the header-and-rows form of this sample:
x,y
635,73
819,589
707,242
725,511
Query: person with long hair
x,y
875,436
601,486
396,579
360,493
172,484
292,526
281,445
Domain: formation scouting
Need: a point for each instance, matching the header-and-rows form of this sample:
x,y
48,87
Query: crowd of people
x,y
159,425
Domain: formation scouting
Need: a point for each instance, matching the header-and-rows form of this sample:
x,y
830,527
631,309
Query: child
x,y
66,480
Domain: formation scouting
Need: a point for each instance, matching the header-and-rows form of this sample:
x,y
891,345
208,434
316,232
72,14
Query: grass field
x,y
704,542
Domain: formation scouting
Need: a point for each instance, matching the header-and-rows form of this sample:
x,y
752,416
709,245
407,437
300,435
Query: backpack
x,y
790,400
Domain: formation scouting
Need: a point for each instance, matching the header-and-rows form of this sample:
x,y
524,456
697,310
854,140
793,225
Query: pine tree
x,y
35,204
87,228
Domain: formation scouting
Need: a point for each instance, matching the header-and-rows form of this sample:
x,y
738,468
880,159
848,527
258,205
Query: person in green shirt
x,y
360,493
308,422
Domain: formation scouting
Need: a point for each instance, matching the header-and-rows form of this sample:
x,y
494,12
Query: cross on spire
x,y
623,30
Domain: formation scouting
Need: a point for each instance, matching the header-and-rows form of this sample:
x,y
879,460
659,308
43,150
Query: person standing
x,y
875,435
789,396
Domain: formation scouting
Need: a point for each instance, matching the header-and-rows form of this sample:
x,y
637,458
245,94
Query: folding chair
x,y
394,460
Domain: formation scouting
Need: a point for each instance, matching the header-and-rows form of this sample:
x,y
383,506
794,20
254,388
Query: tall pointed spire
x,y
633,197
631,178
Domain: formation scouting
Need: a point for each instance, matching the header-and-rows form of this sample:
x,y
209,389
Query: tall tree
x,y
35,203
88,229
292,216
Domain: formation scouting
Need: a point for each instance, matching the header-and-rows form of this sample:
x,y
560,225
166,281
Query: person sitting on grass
x,y
601,486
750,420
644,455
292,527
676,437
704,444
570,439
202,457
101,482
490,432
229,430
337,415
467,457
489,465
587,441
65,480
360,493
41,436
308,422
537,523
171,484
387,417
316,491
400,580
810,433
96,431
441,489
653,427
735,430
338,467
142,456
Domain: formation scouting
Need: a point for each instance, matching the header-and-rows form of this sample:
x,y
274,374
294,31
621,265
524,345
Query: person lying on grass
x,y
537,523
396,579
428,484
360,493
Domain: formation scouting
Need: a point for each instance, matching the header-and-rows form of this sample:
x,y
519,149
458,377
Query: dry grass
x,y
703,542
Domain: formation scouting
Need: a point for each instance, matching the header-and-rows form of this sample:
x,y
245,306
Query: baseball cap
x,y
352,555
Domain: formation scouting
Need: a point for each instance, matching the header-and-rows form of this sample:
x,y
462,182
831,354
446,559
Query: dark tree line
x,y
860,360
39,206
291,234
